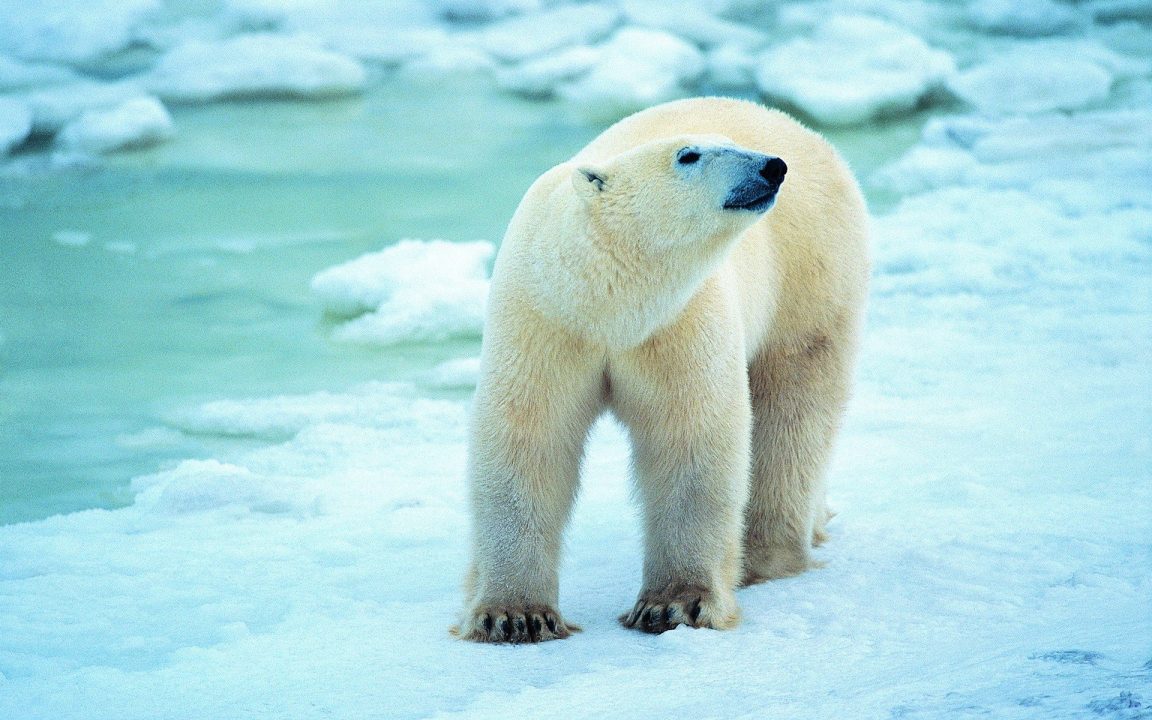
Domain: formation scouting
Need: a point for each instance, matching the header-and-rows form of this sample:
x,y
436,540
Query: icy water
x,y
180,274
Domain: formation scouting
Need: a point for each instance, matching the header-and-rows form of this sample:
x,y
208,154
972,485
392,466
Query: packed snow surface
x,y
992,552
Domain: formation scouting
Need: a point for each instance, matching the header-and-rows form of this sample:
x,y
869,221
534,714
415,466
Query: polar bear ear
x,y
588,181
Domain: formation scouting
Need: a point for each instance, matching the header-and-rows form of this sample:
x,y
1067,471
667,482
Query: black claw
x,y
534,628
506,627
651,618
637,613
521,628
694,610
551,621
487,623
668,616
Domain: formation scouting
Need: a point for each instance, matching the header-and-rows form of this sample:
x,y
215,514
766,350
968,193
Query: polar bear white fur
x,y
650,275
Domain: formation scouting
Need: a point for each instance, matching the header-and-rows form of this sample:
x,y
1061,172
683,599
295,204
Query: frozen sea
x,y
244,249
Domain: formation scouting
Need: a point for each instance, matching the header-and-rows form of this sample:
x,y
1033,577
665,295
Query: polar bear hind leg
x,y
798,396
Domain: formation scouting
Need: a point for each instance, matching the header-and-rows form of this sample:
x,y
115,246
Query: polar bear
x,y
700,270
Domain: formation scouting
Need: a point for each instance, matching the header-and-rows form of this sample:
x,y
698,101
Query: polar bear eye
x,y
687,157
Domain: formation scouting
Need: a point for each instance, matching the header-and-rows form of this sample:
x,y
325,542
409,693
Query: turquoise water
x,y
179,274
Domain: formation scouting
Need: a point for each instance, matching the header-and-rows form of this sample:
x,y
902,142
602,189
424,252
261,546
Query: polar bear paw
x,y
514,624
762,564
680,604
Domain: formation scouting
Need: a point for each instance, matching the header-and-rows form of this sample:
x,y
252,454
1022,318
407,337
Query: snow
x,y
414,291
132,124
15,124
992,549
868,68
316,576
254,65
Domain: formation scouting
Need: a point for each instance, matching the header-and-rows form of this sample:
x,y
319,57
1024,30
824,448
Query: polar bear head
x,y
679,190
619,250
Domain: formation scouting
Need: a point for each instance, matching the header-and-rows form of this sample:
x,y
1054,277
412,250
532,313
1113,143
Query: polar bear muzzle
x,y
757,182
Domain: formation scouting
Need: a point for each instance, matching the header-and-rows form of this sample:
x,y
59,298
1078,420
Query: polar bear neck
x,y
613,289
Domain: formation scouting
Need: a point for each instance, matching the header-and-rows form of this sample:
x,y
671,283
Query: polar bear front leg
x,y
689,418
528,431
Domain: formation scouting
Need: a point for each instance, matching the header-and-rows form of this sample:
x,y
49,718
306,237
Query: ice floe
x,y
1025,18
15,123
72,238
1120,10
56,106
16,75
254,65
461,373
539,77
692,22
1023,82
202,485
459,61
132,124
867,68
602,59
283,417
1049,154
731,67
530,36
414,291
479,10
636,68
69,32
390,47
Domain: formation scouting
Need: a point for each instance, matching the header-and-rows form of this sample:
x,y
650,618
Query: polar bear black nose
x,y
773,170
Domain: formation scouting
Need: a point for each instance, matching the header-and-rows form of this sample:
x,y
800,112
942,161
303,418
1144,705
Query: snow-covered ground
x,y
992,556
